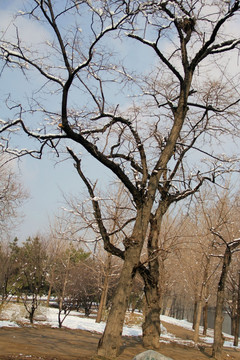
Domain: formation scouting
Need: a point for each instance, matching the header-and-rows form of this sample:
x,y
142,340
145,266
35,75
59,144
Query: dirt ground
x,y
45,343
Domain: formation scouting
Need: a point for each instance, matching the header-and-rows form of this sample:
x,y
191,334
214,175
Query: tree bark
x,y
236,330
103,299
218,336
203,294
31,313
168,306
205,318
194,314
50,286
198,320
110,342
49,295
233,313
151,326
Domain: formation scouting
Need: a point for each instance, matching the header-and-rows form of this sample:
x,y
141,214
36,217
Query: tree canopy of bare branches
x,y
161,142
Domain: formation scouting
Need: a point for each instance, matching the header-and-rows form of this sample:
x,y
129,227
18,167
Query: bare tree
x,y
225,234
180,108
203,266
12,195
66,279
84,288
233,298
219,226
82,226
227,257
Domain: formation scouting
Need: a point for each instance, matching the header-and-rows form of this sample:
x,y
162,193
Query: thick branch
x,y
205,49
108,246
160,55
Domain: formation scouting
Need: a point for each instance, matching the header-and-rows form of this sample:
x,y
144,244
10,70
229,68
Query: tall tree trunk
x,y
59,318
103,299
50,286
205,318
236,332
198,320
233,312
218,336
62,293
168,306
110,342
203,295
49,295
194,314
151,325
31,314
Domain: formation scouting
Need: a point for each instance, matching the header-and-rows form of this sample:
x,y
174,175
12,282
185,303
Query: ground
x,y
40,342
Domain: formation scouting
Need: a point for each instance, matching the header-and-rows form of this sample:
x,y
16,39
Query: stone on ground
x,y
151,355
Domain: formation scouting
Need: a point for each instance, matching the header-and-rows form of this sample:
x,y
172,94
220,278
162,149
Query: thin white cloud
x,y
31,33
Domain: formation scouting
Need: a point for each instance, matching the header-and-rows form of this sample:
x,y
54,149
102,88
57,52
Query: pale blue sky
x,y
46,180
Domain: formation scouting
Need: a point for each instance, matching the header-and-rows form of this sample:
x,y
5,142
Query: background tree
x,y
232,293
9,270
65,280
31,282
233,298
84,287
181,107
12,195
225,234
81,225
203,266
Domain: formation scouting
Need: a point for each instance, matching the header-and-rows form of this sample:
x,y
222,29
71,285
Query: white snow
x,y
6,323
14,314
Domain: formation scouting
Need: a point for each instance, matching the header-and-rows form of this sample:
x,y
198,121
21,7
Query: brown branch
x,y
159,53
108,246
206,50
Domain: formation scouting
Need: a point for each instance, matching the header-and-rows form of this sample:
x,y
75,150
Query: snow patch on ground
x,y
14,314
5,323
